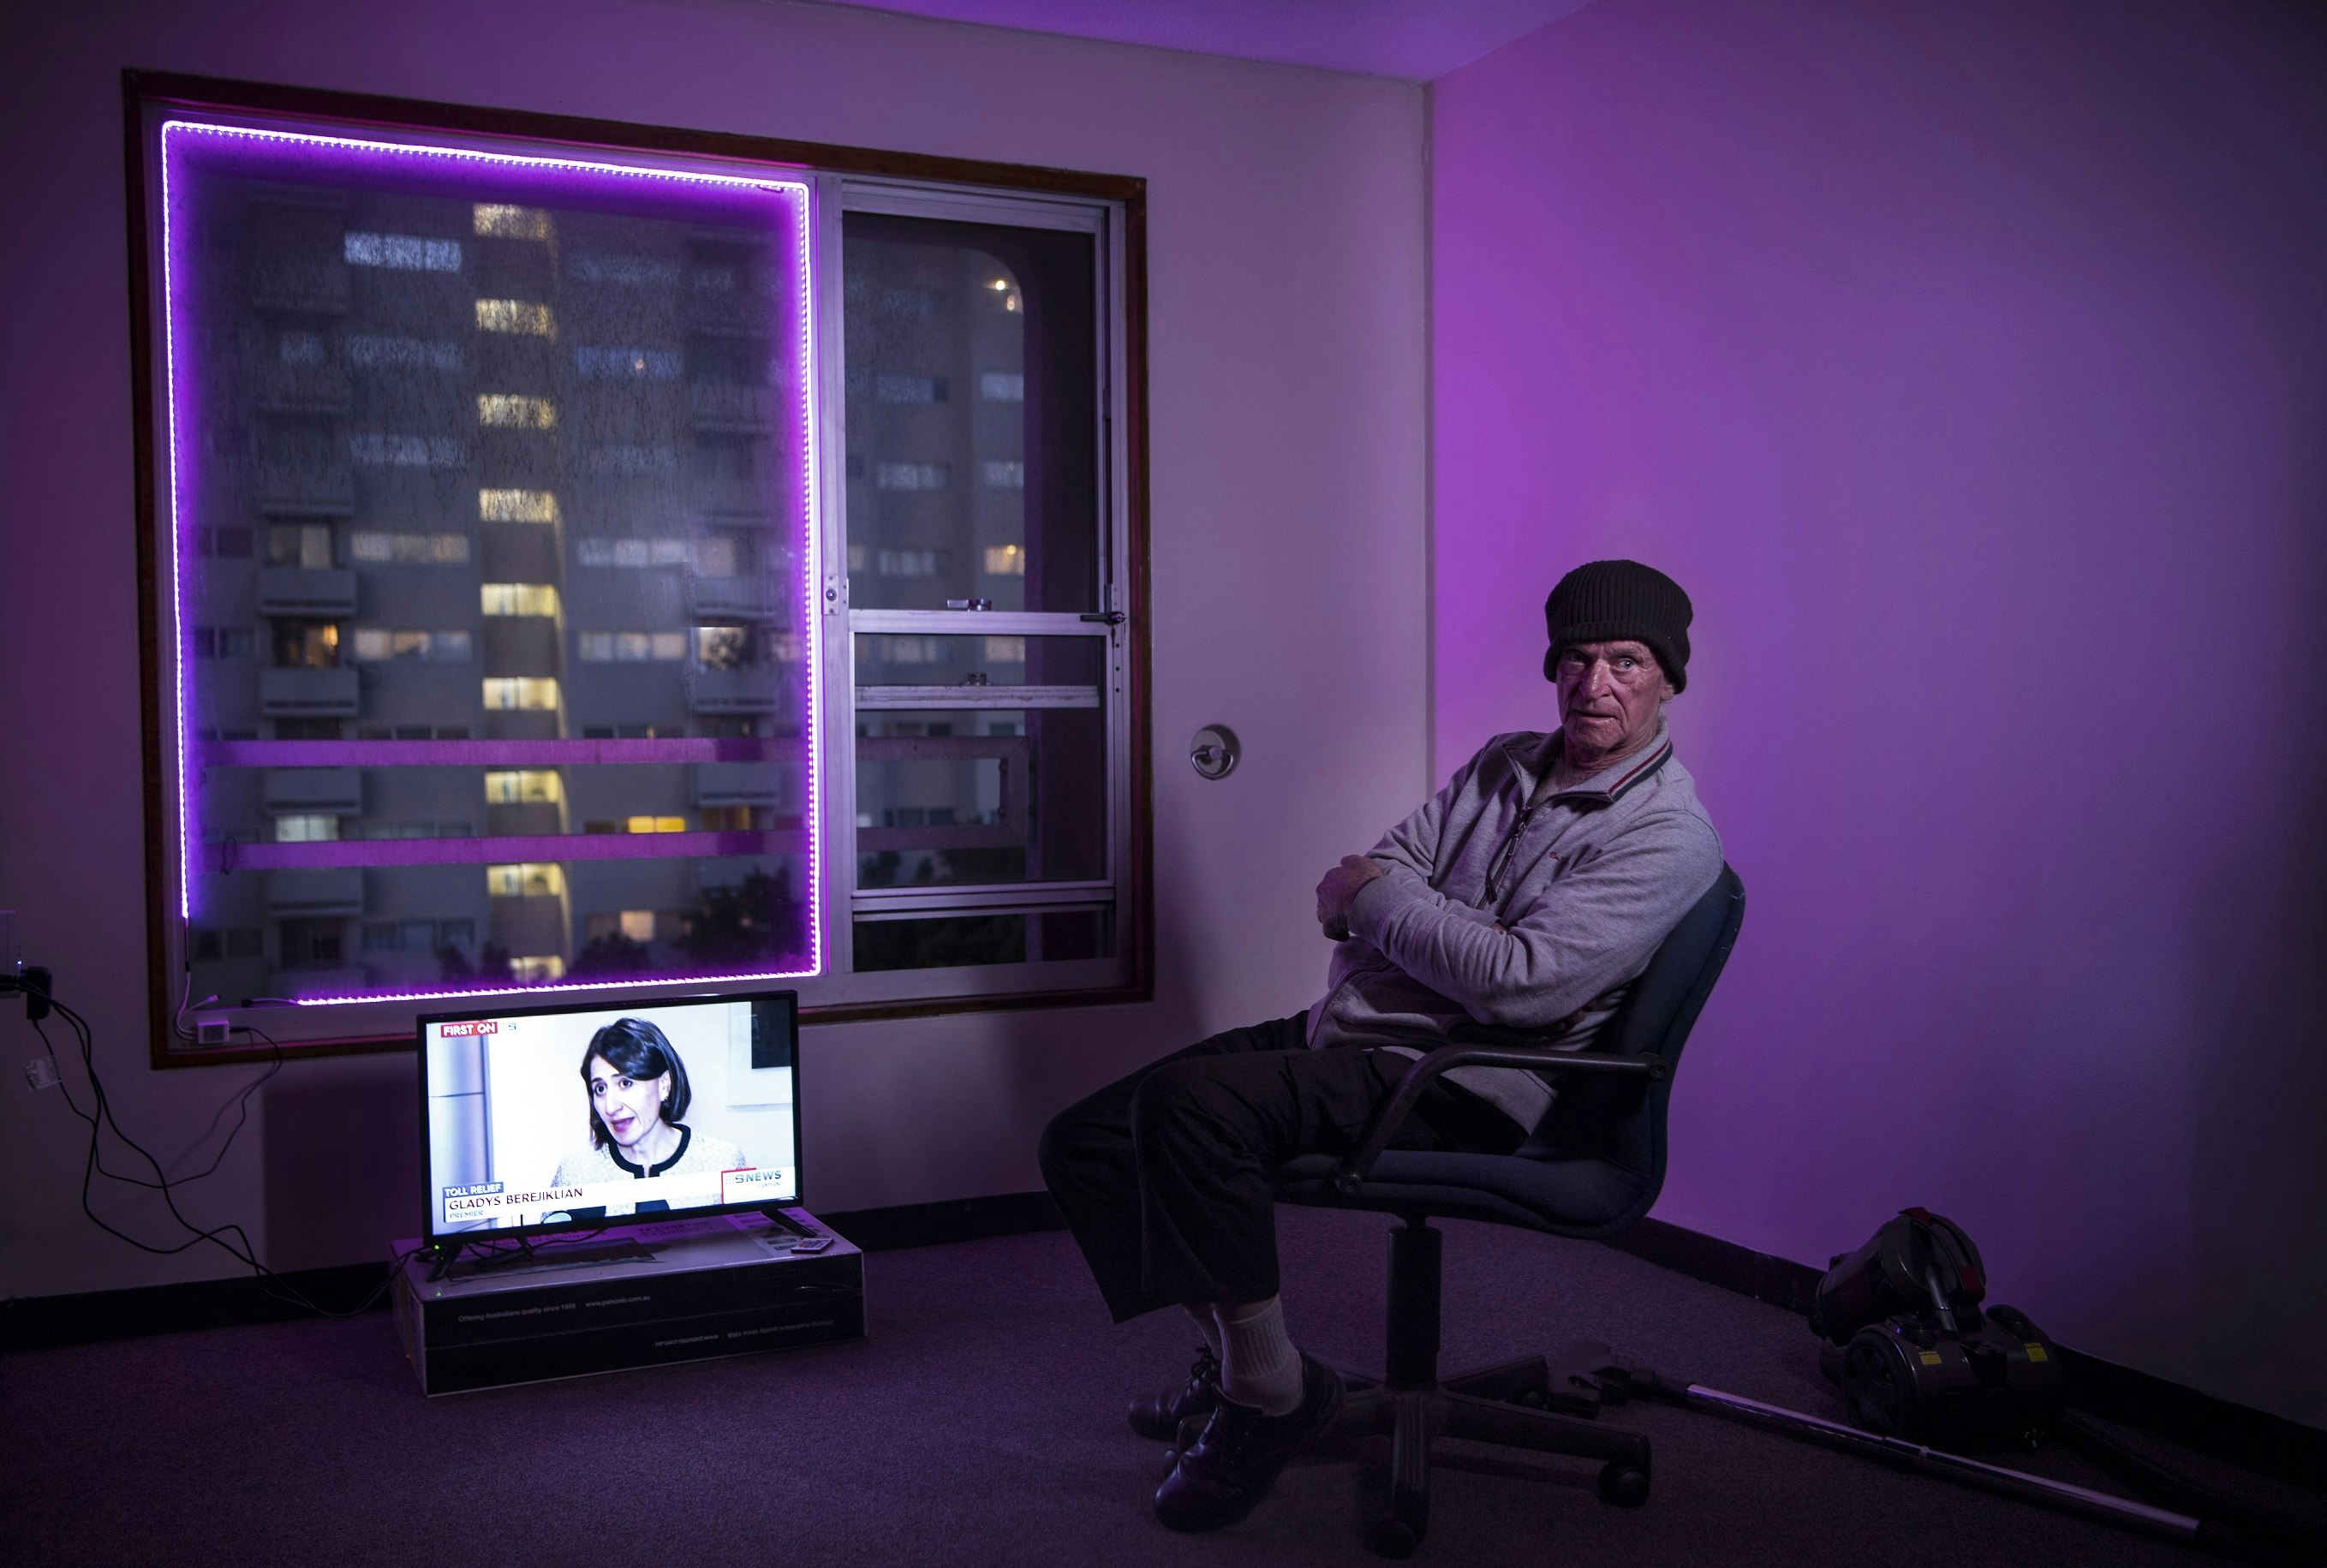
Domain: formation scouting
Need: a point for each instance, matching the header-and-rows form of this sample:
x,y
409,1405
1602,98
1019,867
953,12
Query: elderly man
x,y
1530,891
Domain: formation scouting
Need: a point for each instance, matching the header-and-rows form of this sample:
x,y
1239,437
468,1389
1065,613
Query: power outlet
x,y
213,1032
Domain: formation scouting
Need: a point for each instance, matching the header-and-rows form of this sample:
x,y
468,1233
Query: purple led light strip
x,y
176,284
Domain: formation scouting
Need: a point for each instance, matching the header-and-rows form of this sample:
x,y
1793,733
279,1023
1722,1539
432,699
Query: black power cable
x,y
101,1119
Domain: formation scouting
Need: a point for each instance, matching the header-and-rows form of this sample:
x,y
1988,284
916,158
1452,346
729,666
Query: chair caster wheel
x,y
1393,1538
1623,1485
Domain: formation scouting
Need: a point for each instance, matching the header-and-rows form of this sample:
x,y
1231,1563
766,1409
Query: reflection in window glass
x,y
981,795
951,496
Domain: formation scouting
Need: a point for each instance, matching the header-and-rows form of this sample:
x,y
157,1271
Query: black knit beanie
x,y
1620,601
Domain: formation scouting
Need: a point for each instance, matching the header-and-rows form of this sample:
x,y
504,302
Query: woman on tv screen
x,y
638,1094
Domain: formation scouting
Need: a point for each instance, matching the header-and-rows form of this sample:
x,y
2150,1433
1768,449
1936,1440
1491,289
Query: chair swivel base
x,y
1480,1405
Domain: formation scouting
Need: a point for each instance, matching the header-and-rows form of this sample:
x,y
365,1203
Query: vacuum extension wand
x,y
1901,1454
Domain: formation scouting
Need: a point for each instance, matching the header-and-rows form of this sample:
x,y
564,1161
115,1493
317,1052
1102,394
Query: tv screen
x,y
548,1118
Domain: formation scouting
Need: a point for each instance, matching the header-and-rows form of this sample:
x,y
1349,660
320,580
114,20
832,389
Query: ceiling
x,y
1413,39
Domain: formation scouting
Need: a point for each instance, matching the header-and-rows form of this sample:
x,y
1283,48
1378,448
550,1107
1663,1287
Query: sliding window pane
x,y
968,796
972,416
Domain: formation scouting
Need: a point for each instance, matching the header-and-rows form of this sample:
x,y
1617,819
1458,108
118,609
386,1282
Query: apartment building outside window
x,y
502,656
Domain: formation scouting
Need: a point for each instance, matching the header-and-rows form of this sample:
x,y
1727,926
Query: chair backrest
x,y
1623,1123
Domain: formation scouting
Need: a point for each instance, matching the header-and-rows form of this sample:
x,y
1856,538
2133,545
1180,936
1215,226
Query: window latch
x,y
969,604
1103,617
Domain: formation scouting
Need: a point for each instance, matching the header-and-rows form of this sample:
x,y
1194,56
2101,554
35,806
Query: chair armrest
x,y
1351,1173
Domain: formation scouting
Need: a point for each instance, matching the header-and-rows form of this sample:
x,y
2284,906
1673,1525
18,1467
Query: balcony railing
x,y
720,784
324,694
306,590
331,791
716,407
306,488
322,890
733,691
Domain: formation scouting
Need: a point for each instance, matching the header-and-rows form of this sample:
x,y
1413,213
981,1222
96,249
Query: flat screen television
x,y
597,1113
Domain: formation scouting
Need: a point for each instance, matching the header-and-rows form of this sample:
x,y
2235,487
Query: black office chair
x,y
1592,1170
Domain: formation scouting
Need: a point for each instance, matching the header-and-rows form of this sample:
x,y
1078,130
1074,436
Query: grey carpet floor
x,y
980,1422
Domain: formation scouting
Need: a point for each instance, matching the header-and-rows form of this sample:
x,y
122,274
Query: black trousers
x,y
1163,1176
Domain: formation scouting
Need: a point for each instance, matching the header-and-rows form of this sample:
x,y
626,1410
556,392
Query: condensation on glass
x,y
491,526
972,415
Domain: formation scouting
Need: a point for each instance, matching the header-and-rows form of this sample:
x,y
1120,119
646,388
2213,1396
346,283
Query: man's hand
x,y
1340,887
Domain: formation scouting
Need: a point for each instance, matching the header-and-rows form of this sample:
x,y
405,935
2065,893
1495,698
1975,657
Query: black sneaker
x,y
1157,1416
1230,1467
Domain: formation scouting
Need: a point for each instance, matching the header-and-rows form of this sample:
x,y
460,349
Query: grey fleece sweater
x,y
1535,917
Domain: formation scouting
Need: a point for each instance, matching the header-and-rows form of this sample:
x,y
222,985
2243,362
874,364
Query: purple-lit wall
x,y
1286,388
1967,362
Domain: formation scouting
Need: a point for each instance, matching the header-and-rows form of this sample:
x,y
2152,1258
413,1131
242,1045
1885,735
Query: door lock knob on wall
x,y
1214,751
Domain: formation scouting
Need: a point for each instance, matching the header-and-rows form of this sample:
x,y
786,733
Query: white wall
x,y
1286,394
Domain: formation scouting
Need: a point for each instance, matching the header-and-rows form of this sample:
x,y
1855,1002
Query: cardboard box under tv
x,y
685,1290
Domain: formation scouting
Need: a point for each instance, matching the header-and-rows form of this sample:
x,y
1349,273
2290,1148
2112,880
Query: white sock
x,y
1259,1367
1202,1312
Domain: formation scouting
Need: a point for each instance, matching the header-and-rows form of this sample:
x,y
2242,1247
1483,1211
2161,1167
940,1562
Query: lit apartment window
x,y
1005,561
505,222
306,829
1002,386
535,971
526,880
723,646
515,693
403,252
526,318
637,924
655,824
523,786
509,411
517,506
518,598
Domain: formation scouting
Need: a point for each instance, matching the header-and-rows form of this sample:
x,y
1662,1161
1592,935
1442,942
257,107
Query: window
x,y
407,252
509,411
514,693
524,881
517,506
522,786
372,644
759,542
374,546
519,597
524,316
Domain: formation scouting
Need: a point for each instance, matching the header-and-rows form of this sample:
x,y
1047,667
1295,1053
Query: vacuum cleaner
x,y
1926,1370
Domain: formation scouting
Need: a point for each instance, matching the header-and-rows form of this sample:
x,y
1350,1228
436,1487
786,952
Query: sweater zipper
x,y
1499,862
